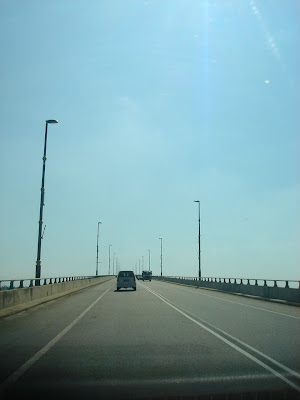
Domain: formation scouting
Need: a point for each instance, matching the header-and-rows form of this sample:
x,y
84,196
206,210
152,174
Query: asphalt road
x,y
159,341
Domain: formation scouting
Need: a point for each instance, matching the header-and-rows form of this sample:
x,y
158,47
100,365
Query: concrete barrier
x,y
265,292
25,297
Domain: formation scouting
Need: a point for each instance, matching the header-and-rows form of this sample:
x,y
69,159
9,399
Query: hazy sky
x,y
160,103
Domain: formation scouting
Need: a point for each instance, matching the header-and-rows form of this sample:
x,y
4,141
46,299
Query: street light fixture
x,y
97,248
160,256
149,260
199,252
39,249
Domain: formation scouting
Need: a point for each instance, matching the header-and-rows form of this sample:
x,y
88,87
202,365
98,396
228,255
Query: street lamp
x,y
149,260
39,249
114,264
160,256
109,259
97,248
199,253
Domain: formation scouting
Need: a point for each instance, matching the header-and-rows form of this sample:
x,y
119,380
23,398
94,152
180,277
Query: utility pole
x,y
109,259
199,252
149,260
160,256
97,248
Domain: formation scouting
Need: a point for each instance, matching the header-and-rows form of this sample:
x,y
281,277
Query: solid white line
x,y
235,302
23,368
290,371
240,350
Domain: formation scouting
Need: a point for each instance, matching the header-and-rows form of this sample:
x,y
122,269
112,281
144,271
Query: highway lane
x,y
270,327
163,339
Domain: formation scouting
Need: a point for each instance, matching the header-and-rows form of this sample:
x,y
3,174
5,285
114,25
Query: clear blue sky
x,y
160,103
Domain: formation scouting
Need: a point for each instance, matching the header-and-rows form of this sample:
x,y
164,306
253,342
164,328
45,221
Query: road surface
x,y
159,341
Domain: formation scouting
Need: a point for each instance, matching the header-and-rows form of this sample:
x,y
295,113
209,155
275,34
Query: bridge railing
x,y
242,281
287,290
30,282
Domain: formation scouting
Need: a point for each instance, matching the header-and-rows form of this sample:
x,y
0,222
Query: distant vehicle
x,y
126,279
147,275
139,277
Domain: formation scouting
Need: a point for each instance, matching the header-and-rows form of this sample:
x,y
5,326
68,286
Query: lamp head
x,y
52,121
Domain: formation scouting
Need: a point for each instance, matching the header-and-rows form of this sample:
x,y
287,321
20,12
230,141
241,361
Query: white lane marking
x,y
235,302
199,380
23,368
239,349
290,371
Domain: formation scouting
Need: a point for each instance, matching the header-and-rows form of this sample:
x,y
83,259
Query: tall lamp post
x,y
199,253
160,256
39,249
149,260
109,259
97,248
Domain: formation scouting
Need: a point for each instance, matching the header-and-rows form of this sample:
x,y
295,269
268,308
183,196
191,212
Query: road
x,y
158,341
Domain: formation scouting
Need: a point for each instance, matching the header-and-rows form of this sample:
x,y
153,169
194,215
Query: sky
x,y
159,103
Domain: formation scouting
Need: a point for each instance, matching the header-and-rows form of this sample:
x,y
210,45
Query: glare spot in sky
x,y
267,81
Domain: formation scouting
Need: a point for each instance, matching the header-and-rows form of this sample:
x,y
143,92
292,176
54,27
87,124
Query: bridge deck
x,y
163,339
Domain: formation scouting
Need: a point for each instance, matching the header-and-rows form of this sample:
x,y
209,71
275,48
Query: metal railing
x,y
30,282
292,284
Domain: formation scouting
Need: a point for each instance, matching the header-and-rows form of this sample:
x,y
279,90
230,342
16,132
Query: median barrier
x,y
249,287
25,297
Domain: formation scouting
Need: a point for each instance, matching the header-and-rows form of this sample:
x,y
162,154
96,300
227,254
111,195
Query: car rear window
x,y
126,274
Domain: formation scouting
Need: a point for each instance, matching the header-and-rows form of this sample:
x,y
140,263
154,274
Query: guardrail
x,y
293,284
38,281
287,290
18,296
